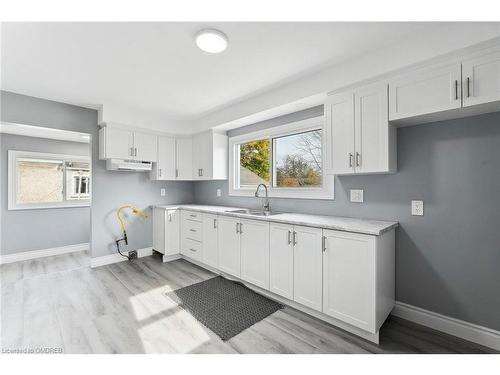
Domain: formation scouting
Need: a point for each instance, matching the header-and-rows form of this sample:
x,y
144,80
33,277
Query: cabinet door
x,y
281,260
229,245
172,232
425,91
184,158
373,138
165,168
349,278
210,240
339,134
308,268
145,147
255,252
118,143
481,79
159,226
198,155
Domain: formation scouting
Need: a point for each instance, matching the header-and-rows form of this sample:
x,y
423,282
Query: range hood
x,y
128,165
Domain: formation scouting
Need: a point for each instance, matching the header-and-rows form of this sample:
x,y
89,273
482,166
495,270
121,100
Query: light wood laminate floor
x,y
122,308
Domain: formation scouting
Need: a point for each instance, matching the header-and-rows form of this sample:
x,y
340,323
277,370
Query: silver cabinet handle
x,y
169,217
294,238
358,157
131,151
176,173
350,159
241,228
193,215
456,89
159,171
135,151
215,223
192,249
468,85
323,243
192,230
289,237
237,227
201,171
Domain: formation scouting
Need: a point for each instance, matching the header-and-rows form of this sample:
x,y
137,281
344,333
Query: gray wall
x,y
448,261
52,227
110,189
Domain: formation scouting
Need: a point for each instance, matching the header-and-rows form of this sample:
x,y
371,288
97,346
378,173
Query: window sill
x,y
47,206
285,194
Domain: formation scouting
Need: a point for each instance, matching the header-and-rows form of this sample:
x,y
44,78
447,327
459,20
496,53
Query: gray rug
x,y
225,307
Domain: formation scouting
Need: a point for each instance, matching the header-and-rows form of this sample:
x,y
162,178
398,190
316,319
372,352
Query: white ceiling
x,y
157,68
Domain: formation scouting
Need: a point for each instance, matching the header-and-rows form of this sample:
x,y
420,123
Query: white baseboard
x,y
171,258
467,331
115,258
26,255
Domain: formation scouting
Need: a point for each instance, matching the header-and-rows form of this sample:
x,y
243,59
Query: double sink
x,y
252,212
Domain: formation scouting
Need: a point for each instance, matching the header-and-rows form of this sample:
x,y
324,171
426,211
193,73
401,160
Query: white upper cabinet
x,y
115,143
481,79
165,168
145,147
210,156
339,133
308,267
184,159
359,138
374,137
255,252
425,91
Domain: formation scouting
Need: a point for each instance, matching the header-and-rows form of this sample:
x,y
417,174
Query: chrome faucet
x,y
266,207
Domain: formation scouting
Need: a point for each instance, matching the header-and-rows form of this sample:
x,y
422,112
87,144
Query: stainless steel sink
x,y
252,212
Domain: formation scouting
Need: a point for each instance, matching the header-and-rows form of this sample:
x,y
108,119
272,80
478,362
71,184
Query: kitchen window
x,y
289,159
41,180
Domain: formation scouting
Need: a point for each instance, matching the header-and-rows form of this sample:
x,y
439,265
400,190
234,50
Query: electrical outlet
x,y
357,195
219,193
163,192
417,208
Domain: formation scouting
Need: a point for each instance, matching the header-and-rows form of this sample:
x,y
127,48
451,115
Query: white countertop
x,y
346,224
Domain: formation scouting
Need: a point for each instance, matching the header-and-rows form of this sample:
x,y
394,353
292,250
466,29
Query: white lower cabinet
x,y
229,245
308,267
358,278
210,240
255,252
281,260
166,231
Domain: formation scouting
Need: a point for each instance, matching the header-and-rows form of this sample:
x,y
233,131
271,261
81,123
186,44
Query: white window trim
x,y
13,155
327,189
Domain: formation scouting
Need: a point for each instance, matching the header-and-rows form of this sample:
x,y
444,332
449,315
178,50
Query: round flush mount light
x,y
211,40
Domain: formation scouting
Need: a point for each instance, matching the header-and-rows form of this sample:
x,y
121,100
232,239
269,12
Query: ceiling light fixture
x,y
211,40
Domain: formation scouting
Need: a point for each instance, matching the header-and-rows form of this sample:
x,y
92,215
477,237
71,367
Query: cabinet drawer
x,y
193,230
191,215
192,249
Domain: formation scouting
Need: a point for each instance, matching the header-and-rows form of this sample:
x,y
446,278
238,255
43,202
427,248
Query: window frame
x,y
326,191
14,155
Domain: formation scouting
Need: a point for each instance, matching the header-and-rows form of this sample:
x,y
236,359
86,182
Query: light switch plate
x,y
163,192
357,195
219,193
417,208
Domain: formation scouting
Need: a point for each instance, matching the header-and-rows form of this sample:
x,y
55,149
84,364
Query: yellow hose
x,y
134,210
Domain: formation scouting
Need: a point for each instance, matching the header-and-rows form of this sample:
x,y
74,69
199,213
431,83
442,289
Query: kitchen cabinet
x,y
229,245
481,79
184,158
116,143
165,168
210,156
210,240
254,247
308,266
359,138
358,278
166,229
281,260
427,90
191,234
